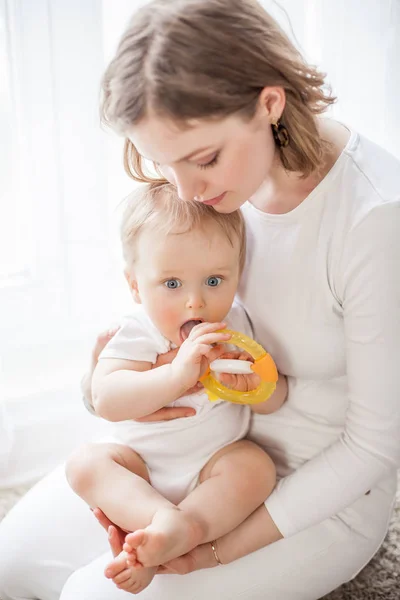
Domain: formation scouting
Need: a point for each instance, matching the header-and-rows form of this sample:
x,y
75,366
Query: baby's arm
x,y
117,381
127,389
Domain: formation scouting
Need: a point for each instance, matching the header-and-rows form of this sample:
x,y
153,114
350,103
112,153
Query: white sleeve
x,y
369,447
137,339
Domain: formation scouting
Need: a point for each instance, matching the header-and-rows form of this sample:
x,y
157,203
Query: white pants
x,y
50,544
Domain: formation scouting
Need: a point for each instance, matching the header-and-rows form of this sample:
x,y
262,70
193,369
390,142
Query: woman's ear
x,y
133,286
272,100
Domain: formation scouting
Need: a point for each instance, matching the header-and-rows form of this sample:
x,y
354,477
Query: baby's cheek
x,y
169,316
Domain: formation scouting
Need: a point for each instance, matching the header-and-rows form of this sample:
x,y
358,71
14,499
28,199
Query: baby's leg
x,y
115,479
233,484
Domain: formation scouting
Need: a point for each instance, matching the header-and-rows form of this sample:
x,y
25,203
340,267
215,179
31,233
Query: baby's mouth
x,y
187,328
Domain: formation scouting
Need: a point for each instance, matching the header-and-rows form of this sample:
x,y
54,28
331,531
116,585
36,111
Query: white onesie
x,y
176,451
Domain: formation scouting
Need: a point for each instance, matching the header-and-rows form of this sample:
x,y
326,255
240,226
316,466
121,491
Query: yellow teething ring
x,y
263,365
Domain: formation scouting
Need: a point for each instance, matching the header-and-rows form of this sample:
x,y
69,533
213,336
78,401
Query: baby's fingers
x,y
203,328
216,352
213,338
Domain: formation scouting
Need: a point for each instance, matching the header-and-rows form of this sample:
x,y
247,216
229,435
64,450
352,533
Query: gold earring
x,y
280,133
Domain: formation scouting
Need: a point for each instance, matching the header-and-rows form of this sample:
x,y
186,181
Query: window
x,y
56,271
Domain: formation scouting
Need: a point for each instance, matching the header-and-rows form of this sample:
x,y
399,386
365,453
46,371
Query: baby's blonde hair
x,y
208,59
158,206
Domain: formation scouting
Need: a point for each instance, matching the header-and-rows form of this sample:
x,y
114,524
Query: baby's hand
x,y
242,382
192,360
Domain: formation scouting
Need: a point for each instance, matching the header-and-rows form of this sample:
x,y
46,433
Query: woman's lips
x,y
214,201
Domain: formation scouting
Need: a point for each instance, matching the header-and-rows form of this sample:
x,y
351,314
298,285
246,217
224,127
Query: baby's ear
x,y
133,286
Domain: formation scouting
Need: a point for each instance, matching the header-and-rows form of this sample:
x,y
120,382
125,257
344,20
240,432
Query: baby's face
x,y
185,277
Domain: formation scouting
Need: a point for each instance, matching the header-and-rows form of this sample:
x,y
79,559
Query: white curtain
x,y
56,270
61,179
357,43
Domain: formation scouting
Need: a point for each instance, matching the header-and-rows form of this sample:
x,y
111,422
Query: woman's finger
x,y
168,414
240,383
122,577
116,536
116,566
102,519
180,565
101,342
114,540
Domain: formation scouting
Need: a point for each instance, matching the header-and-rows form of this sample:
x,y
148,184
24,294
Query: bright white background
x,y
61,180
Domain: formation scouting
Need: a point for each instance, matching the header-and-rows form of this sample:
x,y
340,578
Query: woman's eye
x,y
172,284
214,281
210,163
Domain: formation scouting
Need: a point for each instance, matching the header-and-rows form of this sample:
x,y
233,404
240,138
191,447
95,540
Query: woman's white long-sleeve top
x,y
322,289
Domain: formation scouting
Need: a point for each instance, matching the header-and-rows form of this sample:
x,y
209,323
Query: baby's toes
x,y
132,561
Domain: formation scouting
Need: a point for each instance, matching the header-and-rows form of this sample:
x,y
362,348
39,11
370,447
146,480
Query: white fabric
x,y
176,451
322,293
322,289
51,533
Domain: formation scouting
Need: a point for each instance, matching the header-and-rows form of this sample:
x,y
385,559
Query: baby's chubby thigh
x,y
233,484
93,467
246,474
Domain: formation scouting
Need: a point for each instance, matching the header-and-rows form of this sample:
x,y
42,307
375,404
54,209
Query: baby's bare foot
x,y
170,534
127,577
135,580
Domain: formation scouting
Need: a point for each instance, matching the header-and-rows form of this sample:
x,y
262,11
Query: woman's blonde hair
x,y
193,59
158,206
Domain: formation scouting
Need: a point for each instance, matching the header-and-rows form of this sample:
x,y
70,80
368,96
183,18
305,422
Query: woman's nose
x,y
188,186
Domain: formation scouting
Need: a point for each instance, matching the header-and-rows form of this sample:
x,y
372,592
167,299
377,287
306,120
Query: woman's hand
x,y
117,568
274,402
101,342
116,536
201,557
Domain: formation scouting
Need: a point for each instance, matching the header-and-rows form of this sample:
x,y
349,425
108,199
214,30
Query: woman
x,y
215,95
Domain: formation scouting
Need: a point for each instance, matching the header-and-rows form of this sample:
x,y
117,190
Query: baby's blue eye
x,y
172,284
214,281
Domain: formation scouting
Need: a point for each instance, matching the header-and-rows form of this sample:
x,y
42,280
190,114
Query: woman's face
x,y
219,162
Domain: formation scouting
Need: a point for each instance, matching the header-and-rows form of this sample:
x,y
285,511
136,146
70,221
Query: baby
x,y
174,484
